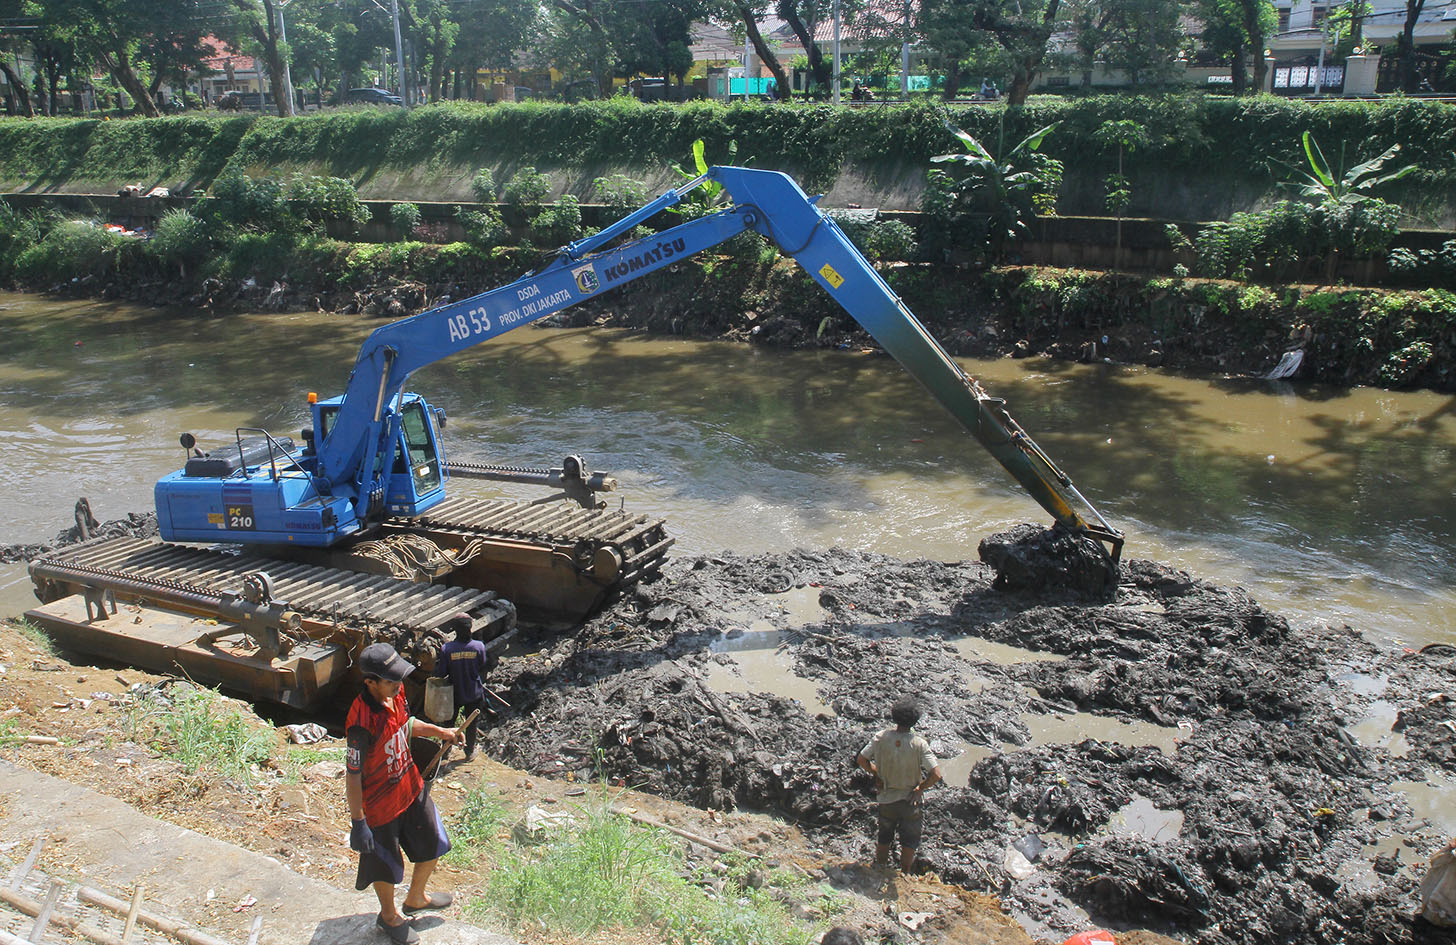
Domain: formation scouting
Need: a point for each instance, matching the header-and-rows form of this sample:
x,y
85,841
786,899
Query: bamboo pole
x,y
32,908
131,913
697,838
151,920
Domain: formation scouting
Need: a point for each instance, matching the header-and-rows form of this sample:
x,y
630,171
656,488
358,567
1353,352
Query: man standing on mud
x,y
466,662
387,801
904,768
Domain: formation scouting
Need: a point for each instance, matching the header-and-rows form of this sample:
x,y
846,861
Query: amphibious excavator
x,y
277,560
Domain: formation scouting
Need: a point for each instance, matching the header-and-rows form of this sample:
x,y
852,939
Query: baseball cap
x,y
380,659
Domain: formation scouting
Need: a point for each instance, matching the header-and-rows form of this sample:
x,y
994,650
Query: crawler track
x,y
196,579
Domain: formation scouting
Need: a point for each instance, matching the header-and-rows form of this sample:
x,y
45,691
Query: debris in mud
x,y
1045,560
135,525
1279,815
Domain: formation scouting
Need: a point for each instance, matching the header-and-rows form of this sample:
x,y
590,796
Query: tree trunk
x,y
1240,72
782,90
1028,47
823,72
266,35
17,90
588,17
1256,42
1406,48
119,65
952,81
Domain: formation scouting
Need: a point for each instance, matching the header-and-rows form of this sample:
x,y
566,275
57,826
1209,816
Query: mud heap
x,y
135,525
1219,723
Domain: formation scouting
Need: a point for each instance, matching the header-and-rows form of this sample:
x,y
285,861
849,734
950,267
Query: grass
x,y
605,871
196,728
474,831
36,636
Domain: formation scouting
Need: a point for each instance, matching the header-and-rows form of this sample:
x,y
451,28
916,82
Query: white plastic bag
x,y
439,700
1438,890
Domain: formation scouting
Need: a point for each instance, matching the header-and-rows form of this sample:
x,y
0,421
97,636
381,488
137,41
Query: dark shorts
x,y
418,831
902,817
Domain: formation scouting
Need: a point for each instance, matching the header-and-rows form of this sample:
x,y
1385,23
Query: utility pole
x,y
835,97
1319,74
398,48
905,56
287,71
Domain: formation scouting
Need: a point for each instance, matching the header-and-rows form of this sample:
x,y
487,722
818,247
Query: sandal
x,y
437,900
404,933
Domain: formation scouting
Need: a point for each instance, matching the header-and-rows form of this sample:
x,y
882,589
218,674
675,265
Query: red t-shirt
x,y
379,750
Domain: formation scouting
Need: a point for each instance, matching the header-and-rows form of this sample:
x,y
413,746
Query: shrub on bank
x,y
72,250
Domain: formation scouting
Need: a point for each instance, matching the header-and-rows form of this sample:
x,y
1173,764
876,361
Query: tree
x,y
490,33
111,32
433,32
1139,38
1406,46
749,14
804,17
11,11
1236,29
1022,29
258,20
1011,188
945,26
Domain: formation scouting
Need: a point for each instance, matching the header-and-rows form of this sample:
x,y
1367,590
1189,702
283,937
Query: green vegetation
x,y
200,729
997,196
1223,143
475,829
600,870
36,635
404,217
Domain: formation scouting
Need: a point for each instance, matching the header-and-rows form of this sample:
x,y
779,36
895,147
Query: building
x,y
1305,25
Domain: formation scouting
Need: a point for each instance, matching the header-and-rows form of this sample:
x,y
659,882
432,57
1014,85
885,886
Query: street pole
x,y
1319,76
835,98
398,48
905,56
287,71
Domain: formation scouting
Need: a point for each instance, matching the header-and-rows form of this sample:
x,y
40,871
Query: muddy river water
x,y
1327,504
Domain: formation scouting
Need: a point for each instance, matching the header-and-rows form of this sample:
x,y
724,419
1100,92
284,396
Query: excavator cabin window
x,y
419,447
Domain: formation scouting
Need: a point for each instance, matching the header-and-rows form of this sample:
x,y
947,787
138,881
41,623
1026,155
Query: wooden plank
x,y
18,876
44,919
131,913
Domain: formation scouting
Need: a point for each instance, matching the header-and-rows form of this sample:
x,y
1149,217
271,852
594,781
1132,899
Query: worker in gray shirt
x,y
904,768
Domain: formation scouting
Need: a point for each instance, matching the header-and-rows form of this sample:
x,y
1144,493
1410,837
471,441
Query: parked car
x,y
372,96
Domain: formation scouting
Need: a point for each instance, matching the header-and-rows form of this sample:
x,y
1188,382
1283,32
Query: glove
x,y
361,838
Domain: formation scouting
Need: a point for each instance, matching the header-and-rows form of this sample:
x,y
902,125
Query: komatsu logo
x,y
644,260
586,279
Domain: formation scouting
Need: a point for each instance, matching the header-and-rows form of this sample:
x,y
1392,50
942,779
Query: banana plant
x,y
1324,183
711,194
1012,188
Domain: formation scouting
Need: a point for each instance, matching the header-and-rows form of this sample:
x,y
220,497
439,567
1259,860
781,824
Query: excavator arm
x,y
361,439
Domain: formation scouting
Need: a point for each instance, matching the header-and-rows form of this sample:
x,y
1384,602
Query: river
x,y
1327,504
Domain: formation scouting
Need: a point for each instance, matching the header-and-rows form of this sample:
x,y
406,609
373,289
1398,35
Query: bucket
x,y
439,700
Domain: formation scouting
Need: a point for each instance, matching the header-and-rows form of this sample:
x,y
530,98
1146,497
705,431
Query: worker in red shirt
x,y
387,801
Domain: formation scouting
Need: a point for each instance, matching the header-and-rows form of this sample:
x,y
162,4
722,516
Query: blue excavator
x,y
316,549
375,454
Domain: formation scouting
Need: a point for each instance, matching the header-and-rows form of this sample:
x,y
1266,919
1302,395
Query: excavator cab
x,y
416,476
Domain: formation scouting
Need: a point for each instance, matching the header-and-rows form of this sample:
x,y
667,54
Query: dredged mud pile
x,y
135,525
1289,830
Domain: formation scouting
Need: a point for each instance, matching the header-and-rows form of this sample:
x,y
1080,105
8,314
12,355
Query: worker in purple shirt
x,y
466,661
